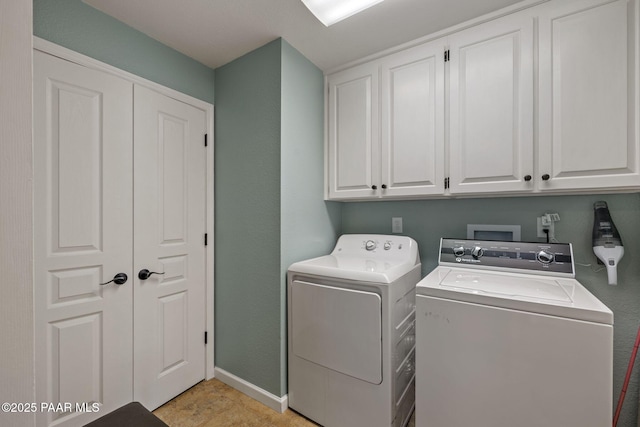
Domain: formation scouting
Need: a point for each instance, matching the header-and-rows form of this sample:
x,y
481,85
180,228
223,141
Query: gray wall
x,y
427,221
78,26
16,236
269,206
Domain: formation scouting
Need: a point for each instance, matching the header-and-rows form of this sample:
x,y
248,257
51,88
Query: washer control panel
x,y
537,257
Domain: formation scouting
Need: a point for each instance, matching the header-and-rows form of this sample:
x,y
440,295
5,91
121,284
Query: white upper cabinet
x,y
587,89
543,100
412,125
353,133
491,107
386,126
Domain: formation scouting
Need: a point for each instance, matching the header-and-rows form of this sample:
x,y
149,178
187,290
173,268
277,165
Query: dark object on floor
x,y
130,415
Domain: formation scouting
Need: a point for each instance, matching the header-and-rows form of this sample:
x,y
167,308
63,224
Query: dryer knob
x,y
370,245
387,246
458,251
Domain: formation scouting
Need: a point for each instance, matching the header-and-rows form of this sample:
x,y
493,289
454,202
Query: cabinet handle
x,y
545,177
374,187
527,178
118,279
384,186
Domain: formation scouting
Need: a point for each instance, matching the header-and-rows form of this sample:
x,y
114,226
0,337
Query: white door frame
x,y
72,56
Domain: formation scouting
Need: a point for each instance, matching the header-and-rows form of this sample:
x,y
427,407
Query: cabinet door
x,y
587,136
491,107
353,133
412,128
83,229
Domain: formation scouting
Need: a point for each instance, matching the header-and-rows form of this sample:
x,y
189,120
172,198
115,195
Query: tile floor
x,y
215,404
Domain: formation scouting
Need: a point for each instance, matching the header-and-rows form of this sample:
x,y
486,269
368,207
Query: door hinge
x,y
446,55
205,140
205,239
205,337
446,183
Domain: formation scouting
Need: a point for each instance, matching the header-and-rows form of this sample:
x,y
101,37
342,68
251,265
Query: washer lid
x,y
526,292
354,268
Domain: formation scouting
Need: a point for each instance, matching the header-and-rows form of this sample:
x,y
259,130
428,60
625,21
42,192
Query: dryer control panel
x,y
553,258
376,246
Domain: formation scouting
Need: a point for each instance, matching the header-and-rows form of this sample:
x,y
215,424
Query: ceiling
x,y
215,32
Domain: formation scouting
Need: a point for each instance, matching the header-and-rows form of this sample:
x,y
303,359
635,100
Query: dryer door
x,y
340,329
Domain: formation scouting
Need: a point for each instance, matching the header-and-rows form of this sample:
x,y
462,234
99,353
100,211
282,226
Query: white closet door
x,y
82,227
169,223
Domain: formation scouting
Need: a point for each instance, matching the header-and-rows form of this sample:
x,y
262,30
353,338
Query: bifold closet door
x,y
117,189
169,224
83,232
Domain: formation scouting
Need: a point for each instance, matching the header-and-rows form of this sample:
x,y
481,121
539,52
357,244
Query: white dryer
x,y
507,337
351,324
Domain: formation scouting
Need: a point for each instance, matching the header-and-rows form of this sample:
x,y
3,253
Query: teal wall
x,y
269,203
309,225
248,300
427,221
78,26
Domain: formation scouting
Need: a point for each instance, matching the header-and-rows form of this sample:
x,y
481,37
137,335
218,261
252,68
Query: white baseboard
x,y
278,404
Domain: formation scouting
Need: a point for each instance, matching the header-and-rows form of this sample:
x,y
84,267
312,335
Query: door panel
x,y
586,128
491,107
340,329
77,342
83,232
78,147
353,140
169,220
413,121
475,364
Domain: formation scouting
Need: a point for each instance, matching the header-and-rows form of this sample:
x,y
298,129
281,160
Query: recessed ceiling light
x,y
331,11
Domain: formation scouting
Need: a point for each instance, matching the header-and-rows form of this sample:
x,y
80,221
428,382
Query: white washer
x,y
352,332
507,337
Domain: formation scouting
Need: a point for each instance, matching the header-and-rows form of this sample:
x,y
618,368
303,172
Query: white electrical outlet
x,y
545,225
396,225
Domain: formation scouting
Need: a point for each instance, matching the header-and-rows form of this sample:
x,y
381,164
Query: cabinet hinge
x,y
446,55
205,140
446,183
205,239
205,337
